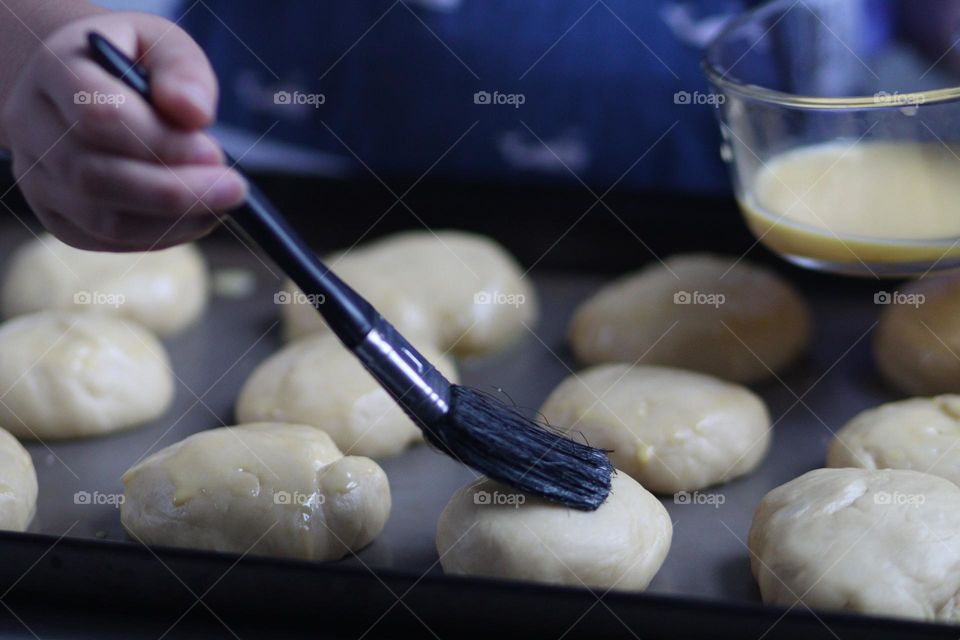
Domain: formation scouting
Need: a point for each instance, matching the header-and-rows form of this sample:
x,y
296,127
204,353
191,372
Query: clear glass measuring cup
x,y
841,126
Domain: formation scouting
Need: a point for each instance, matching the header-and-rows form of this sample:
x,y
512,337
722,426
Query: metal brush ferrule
x,y
413,381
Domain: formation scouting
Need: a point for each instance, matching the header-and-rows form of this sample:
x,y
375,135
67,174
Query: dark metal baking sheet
x,y
705,579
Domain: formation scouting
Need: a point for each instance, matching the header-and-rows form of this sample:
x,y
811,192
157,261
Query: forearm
x,y
23,26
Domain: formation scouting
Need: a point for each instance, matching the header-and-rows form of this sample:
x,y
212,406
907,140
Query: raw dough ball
x,y
64,375
920,434
736,323
490,530
917,343
18,484
316,381
162,290
882,542
461,290
284,485
672,430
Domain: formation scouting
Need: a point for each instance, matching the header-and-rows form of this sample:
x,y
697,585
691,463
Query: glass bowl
x,y
841,126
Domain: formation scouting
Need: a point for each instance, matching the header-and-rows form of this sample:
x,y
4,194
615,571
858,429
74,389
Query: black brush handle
x,y
467,425
348,314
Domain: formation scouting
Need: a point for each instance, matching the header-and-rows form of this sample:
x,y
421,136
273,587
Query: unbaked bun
x,y
66,375
18,484
164,291
276,489
316,381
881,542
672,430
490,530
917,342
461,291
920,434
703,312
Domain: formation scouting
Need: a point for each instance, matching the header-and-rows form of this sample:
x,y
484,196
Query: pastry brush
x,y
471,426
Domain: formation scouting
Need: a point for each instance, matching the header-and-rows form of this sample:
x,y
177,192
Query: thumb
x,y
182,83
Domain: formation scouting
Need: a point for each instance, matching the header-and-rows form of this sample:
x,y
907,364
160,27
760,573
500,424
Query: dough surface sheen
x,y
278,489
460,291
920,434
316,381
882,542
916,342
672,430
165,291
66,375
703,312
486,530
18,484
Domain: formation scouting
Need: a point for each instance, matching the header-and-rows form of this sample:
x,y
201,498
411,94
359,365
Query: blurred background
x,y
580,119
578,90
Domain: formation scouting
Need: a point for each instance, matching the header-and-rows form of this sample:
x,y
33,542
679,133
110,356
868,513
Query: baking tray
x,y
77,553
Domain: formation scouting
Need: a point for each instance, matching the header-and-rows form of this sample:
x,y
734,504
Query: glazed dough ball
x,y
920,434
284,485
316,381
703,313
460,290
65,375
490,530
882,542
672,430
18,484
162,290
917,342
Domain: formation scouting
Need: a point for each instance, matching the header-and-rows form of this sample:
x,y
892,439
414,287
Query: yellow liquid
x,y
845,204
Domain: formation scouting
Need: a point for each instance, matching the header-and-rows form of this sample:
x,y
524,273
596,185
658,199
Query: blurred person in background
x,y
602,92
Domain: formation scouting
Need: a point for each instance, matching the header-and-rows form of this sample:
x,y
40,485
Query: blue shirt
x,y
504,90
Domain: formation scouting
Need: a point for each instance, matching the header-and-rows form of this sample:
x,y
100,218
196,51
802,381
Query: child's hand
x,y
101,168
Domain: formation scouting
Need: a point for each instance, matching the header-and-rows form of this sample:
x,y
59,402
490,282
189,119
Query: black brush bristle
x,y
500,442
